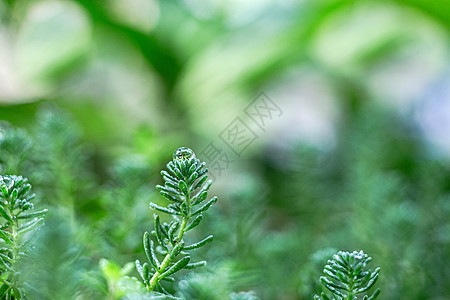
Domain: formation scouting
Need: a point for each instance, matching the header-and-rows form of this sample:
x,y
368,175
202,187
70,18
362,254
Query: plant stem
x,y
169,256
165,263
15,251
350,293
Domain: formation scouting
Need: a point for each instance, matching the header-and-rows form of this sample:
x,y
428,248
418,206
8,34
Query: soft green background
x,y
105,91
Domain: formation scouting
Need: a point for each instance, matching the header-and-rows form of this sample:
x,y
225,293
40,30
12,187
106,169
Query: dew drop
x,y
183,153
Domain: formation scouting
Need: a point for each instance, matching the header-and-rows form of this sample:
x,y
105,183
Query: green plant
x,y
347,276
186,186
118,283
17,223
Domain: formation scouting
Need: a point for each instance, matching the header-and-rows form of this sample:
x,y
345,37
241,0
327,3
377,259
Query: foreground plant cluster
x,y
116,236
166,247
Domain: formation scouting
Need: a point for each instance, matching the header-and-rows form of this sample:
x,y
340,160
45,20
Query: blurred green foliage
x,y
96,95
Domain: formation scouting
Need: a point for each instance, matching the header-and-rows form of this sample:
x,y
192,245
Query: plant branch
x,y
187,177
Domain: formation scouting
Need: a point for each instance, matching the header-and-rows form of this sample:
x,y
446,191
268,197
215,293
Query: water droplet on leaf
x,y
183,153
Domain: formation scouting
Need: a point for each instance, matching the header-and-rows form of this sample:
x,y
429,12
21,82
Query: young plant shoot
x,y
186,187
17,223
346,277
